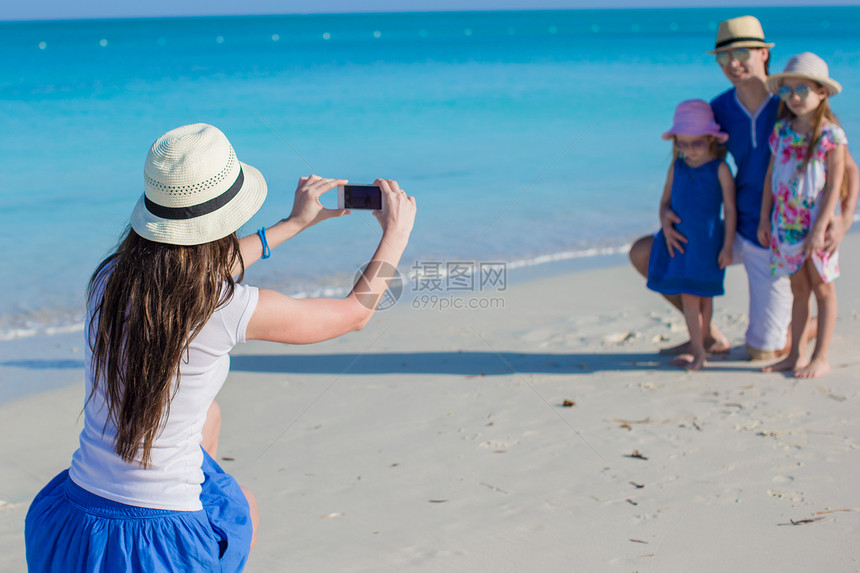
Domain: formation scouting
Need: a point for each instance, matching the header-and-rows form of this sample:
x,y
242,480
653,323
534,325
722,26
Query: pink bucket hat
x,y
695,117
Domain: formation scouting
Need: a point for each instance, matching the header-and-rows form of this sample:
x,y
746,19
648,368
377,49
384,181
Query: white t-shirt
x,y
173,479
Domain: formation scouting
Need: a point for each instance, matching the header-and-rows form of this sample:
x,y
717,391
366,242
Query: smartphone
x,y
359,197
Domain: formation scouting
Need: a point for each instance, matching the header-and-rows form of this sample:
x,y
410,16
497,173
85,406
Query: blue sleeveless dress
x,y
696,198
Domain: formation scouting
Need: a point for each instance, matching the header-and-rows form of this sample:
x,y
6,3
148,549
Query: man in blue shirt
x,y
747,112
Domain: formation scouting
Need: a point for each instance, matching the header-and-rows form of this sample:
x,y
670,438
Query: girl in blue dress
x,y
699,182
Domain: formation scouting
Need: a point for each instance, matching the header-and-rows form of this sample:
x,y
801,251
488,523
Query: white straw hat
x,y
806,66
195,190
742,32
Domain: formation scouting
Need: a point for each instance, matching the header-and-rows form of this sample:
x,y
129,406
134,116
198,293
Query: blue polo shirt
x,y
748,134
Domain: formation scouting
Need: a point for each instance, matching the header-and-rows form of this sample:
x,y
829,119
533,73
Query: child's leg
x,y
825,297
640,252
707,306
801,289
693,316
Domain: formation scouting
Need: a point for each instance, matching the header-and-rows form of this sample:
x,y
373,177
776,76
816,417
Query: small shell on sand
x,y
620,337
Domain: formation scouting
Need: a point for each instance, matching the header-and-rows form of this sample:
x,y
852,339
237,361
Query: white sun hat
x,y
195,190
806,66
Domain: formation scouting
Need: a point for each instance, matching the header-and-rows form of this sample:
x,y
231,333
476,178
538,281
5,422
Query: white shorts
x,y
770,297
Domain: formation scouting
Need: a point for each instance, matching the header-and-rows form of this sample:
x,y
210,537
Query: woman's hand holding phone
x,y
397,215
307,209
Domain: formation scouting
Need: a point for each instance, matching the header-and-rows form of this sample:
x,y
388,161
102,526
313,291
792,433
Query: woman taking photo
x,y
143,492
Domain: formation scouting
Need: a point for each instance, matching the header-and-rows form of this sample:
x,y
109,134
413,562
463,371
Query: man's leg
x,y
770,305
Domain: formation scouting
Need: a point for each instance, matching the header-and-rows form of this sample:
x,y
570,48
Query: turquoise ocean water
x,y
526,136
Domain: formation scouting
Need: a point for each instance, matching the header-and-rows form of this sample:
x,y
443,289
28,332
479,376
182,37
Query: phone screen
x,y
362,197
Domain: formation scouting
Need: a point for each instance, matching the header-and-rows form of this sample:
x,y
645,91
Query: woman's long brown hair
x,y
822,113
155,298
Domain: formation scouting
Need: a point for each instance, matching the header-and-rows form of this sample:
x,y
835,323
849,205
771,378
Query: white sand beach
x,y
438,441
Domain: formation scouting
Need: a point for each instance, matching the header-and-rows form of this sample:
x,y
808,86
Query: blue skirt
x,y
69,529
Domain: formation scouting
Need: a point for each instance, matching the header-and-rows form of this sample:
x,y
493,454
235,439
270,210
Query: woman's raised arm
x,y
307,212
280,318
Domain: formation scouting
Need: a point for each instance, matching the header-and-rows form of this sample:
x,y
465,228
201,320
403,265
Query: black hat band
x,y
741,39
192,211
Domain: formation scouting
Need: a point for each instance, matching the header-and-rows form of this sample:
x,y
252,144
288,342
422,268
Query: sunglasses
x,y
785,92
697,144
739,54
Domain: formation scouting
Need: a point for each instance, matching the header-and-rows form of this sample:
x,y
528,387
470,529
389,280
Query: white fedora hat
x,y
806,66
195,190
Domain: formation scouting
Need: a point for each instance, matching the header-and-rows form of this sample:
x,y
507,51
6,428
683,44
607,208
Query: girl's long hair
x,y
155,298
822,113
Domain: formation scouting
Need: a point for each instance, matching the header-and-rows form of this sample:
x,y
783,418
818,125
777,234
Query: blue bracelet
x,y
267,252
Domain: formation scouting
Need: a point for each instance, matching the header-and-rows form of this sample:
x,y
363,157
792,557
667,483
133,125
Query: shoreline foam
x,y
24,326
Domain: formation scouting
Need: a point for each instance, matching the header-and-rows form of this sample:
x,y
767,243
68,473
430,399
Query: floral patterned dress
x,y
797,197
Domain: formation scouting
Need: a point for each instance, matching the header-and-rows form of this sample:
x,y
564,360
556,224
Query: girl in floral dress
x,y
801,191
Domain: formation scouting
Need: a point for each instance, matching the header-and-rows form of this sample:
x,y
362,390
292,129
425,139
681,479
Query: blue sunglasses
x,y
785,92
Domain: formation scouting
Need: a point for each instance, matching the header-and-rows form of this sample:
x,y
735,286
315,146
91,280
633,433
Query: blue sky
x,y
73,9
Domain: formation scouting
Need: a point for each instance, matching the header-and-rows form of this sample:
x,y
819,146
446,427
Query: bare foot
x,y
682,359
697,363
817,367
787,363
713,345
717,344
689,361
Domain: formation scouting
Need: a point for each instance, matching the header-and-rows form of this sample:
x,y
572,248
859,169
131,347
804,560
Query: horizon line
x,y
670,6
